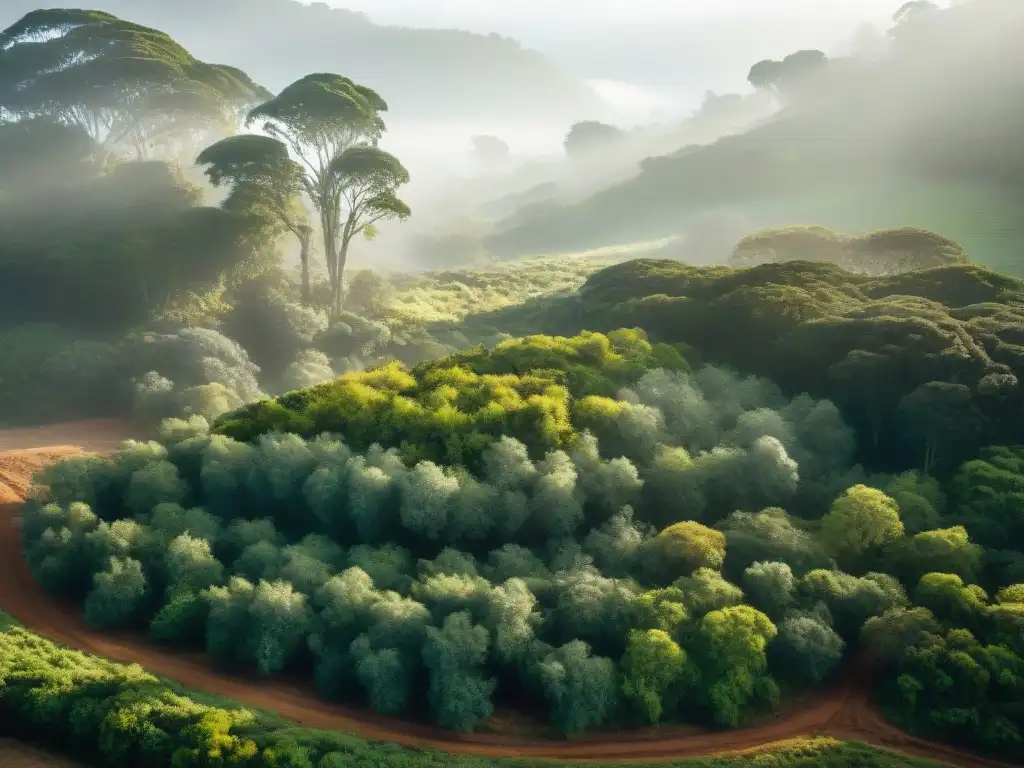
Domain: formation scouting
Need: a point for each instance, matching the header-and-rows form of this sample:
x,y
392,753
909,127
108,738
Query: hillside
x,y
856,154
422,73
866,343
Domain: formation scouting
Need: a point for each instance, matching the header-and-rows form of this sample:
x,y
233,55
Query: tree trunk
x,y
304,236
339,277
330,251
930,447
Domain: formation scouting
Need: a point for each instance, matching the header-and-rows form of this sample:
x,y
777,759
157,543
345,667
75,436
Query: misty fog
x,y
643,65
513,368
669,76
669,48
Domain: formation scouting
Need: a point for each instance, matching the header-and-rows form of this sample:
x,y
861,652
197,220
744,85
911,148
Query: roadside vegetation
x,y
91,708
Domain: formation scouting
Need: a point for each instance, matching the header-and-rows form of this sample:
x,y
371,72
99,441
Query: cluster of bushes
x,y
954,665
51,374
268,339
115,715
453,407
634,565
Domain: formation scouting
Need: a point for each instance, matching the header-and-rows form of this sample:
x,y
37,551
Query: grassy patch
x,y
450,296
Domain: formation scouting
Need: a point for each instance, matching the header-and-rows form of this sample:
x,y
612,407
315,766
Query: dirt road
x,y
842,711
15,754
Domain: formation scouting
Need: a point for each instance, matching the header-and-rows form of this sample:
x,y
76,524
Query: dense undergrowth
x,y
924,366
259,339
565,525
450,296
91,708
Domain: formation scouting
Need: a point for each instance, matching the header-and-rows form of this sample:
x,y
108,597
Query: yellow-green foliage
x,y
449,410
117,715
450,296
686,546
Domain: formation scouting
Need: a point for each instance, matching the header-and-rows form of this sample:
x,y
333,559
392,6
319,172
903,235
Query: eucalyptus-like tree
x,y
332,126
128,86
264,181
368,179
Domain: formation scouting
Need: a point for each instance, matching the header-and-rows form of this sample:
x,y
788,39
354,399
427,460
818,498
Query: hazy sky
x,y
689,44
495,14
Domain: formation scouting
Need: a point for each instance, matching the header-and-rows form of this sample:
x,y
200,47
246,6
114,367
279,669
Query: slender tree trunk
x,y
340,275
330,257
144,293
304,237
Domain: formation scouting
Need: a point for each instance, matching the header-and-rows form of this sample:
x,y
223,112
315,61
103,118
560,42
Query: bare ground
x,y
15,754
843,710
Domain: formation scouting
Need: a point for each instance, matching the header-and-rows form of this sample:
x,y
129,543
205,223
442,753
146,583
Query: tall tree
x,y
369,179
764,75
332,126
265,181
128,86
944,421
789,76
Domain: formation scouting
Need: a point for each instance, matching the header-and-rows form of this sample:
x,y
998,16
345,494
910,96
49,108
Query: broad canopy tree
x,y
128,86
788,76
332,125
265,181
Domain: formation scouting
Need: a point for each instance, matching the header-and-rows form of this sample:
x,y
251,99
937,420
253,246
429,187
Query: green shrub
x,y
115,715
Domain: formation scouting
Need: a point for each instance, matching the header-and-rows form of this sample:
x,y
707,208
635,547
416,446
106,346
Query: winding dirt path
x,y
842,711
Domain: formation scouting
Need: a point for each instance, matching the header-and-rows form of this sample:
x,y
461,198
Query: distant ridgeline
x,y
422,71
855,155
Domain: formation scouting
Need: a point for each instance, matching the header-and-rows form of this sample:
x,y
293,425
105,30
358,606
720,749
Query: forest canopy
x,y
885,252
40,681
102,124
650,493
923,365
587,525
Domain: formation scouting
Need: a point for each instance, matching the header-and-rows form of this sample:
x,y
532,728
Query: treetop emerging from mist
x,y
322,107
332,125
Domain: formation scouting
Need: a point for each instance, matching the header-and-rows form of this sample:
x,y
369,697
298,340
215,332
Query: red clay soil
x,y
17,755
101,435
14,754
843,711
